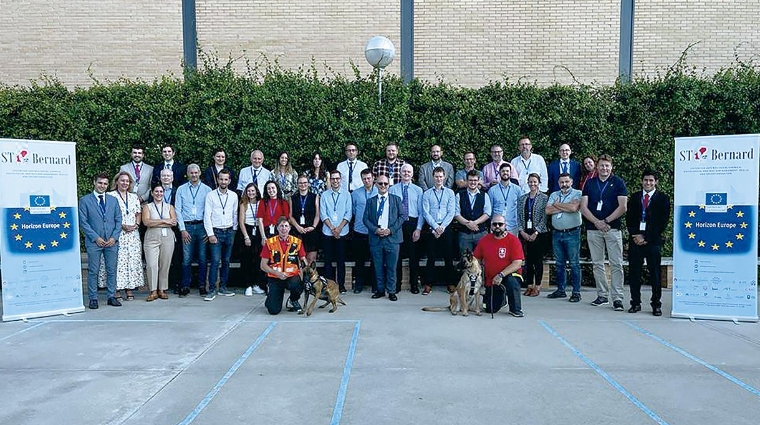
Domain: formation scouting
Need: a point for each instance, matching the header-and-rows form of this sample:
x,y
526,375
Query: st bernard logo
x,y
25,157
706,154
20,157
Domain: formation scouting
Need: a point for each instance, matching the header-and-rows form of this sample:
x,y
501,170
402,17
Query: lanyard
x,y
531,202
602,189
391,169
440,199
197,189
527,166
473,199
138,168
253,210
125,199
272,211
563,198
303,203
501,188
226,199
160,213
335,201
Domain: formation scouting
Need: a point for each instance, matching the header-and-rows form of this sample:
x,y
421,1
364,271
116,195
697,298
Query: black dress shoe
x,y
656,311
634,309
114,302
202,292
377,295
93,304
392,297
357,290
415,290
184,292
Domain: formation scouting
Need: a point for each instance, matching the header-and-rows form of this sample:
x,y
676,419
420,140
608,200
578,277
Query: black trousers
x,y
363,273
533,271
410,250
250,262
439,248
636,256
276,292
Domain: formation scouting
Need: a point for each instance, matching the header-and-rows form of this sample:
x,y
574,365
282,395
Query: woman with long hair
x,y
159,217
285,176
588,166
304,217
271,207
129,265
218,163
317,174
533,232
249,227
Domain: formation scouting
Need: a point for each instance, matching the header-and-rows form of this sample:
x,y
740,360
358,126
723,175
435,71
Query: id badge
x,y
599,205
302,221
194,212
530,224
253,231
271,228
390,181
559,215
643,226
164,232
334,220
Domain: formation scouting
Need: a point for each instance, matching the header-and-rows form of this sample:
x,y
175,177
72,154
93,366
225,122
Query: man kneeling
x,y
281,258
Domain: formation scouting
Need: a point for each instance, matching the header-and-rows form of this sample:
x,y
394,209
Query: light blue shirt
x,y
486,203
504,202
359,198
335,206
438,207
190,202
414,193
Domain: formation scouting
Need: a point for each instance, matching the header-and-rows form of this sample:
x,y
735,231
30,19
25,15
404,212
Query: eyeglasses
x,y
497,224
382,183
334,178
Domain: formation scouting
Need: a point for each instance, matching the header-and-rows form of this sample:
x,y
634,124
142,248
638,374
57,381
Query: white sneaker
x,y
258,290
249,292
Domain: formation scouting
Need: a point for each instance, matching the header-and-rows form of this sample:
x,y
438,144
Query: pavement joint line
x,y
729,332
22,331
214,391
341,397
615,384
696,359
141,321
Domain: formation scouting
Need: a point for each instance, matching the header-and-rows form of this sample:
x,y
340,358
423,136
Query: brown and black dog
x,y
466,296
319,287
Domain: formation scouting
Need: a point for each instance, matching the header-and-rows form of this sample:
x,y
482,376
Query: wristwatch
x,y
501,275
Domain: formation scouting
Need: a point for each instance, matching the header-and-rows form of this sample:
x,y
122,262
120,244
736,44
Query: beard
x,y
499,231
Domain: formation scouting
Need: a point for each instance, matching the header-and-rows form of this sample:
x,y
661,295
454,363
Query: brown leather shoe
x,y
536,291
152,297
163,295
528,292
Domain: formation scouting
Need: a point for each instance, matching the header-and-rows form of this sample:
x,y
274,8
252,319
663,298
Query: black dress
x,y
306,206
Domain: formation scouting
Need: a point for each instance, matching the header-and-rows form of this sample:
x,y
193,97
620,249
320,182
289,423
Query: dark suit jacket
x,y
210,174
657,216
395,220
178,168
554,171
93,224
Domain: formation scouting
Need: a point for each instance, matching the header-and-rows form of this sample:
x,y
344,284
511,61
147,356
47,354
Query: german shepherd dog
x,y
466,296
320,288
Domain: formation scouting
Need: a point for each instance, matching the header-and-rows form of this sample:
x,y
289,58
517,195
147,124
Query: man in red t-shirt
x,y
501,255
281,259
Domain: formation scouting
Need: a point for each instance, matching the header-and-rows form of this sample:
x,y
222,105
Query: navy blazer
x,y
94,224
178,169
554,172
395,220
657,217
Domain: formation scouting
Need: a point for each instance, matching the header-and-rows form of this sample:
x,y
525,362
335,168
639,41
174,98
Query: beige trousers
x,y
158,257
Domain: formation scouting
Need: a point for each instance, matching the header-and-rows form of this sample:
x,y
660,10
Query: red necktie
x,y
646,200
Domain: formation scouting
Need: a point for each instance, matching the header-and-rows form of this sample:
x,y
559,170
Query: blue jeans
x,y
567,247
221,252
196,246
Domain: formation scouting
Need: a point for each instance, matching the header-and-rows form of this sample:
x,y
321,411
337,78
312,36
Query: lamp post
x,y
379,52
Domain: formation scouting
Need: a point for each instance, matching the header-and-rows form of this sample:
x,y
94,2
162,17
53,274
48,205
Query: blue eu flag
x,y
715,198
728,232
39,233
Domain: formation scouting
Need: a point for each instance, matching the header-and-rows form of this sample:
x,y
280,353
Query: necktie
x,y
564,167
350,173
256,177
405,202
138,168
381,207
102,203
646,200
168,166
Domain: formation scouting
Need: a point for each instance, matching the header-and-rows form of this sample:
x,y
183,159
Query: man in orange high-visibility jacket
x,y
281,259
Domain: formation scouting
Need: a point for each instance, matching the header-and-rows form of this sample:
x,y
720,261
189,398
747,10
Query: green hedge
x,y
302,111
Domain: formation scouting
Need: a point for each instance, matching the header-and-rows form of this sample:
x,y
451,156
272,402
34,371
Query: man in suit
x,y
564,165
177,168
425,178
141,173
100,221
383,217
647,217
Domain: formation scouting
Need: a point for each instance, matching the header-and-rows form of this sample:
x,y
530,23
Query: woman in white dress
x,y
129,266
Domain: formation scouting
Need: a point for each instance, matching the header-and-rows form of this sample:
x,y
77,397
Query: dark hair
x,y
650,172
604,157
99,176
565,175
536,175
366,171
317,172
155,185
138,147
506,164
277,186
225,170
473,173
439,170
216,151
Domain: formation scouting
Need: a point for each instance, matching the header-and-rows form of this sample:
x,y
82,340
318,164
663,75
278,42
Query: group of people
x,y
506,213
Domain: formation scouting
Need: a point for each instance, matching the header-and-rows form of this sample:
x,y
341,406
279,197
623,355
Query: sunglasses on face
x,y
497,224
382,183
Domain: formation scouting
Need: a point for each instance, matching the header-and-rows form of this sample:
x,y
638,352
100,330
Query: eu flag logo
x,y
716,202
30,233
728,232
39,200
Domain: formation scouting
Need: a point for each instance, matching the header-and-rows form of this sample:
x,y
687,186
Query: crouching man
x,y
282,257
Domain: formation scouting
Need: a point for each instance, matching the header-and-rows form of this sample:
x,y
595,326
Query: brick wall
x,y
463,42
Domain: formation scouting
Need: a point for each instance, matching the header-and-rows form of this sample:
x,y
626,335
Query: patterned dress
x,y
129,266
287,182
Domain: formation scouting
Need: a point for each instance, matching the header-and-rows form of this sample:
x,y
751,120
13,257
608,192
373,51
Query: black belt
x,y
219,229
193,222
411,219
568,230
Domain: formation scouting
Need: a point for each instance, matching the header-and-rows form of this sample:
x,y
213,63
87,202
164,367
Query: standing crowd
x,y
508,214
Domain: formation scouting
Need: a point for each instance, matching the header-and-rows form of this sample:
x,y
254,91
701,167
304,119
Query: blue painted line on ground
x,y
615,384
22,331
692,357
341,398
206,400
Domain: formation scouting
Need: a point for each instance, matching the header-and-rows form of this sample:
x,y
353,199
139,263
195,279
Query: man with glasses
x,y
472,211
438,207
335,212
425,177
504,198
460,179
491,173
350,169
564,165
383,219
501,255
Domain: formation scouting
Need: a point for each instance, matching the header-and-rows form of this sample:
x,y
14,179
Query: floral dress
x,y
129,266
287,182
317,184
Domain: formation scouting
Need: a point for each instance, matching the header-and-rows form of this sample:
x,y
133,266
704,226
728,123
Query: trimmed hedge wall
x,y
301,112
